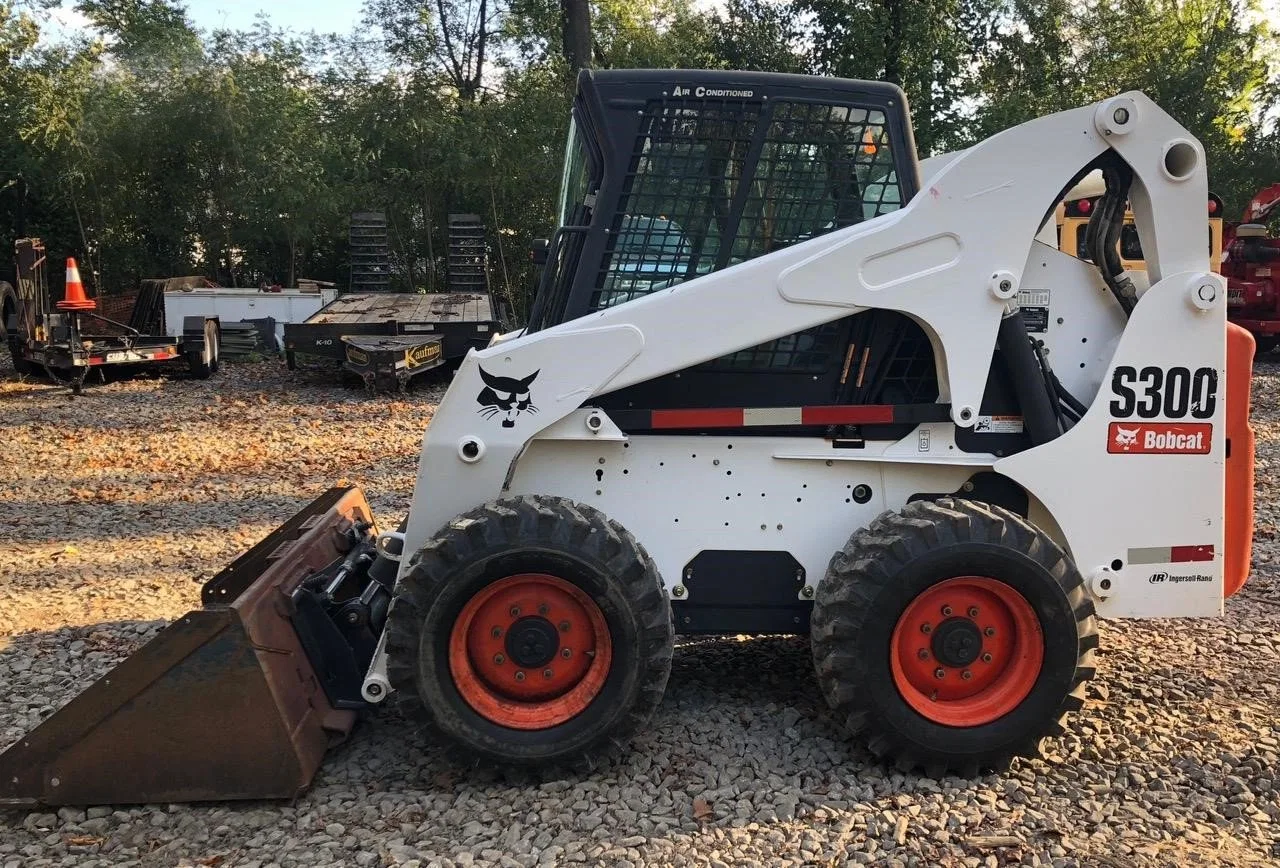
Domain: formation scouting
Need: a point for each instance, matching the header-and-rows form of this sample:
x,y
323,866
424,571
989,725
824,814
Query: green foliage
x,y
150,148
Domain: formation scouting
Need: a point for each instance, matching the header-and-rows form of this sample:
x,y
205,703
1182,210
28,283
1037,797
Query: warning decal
x,y
998,425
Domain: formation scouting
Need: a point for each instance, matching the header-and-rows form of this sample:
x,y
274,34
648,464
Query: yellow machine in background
x,y
1074,213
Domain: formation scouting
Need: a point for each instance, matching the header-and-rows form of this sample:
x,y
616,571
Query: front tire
x,y
531,631
953,636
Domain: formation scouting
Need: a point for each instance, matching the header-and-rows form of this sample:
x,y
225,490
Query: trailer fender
x,y
193,332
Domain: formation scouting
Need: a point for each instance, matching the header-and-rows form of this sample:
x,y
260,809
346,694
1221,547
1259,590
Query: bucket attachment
x,y
237,700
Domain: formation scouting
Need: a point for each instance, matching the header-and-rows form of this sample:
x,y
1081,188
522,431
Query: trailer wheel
x,y
953,636
531,631
1265,344
202,364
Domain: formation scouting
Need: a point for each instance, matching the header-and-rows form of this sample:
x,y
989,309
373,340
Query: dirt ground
x,y
114,506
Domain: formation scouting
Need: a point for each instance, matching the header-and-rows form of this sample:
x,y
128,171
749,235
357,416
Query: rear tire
x,y
1265,345
883,610
478,590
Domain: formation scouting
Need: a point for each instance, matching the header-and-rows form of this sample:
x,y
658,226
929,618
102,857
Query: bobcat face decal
x,y
1126,437
507,396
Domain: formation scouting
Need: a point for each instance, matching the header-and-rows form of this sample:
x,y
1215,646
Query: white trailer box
x,y
231,305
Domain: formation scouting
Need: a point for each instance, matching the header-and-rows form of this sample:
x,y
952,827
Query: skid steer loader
x,y
775,381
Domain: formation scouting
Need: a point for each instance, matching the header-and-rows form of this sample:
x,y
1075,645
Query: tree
x,y
576,21
927,47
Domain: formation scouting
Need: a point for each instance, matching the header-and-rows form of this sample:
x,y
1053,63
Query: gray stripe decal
x,y
1158,555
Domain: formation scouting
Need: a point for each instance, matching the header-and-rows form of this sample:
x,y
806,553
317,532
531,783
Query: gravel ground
x,y
111,504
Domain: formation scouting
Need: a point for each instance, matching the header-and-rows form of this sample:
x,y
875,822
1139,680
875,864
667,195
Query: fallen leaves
x,y
991,842
112,503
83,840
702,810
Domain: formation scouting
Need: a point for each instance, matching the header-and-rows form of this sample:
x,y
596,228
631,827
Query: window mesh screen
x,y
683,176
715,182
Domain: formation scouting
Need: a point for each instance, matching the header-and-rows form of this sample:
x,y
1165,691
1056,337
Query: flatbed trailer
x,y
68,344
459,321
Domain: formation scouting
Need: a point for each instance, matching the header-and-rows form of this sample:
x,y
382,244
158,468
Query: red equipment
x,y
1250,267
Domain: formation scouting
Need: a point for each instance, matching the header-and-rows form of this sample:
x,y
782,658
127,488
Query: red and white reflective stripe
x,y
1187,554
748,417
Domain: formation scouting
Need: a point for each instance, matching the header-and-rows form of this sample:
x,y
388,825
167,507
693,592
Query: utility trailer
x,y
67,340
452,323
387,338
869,447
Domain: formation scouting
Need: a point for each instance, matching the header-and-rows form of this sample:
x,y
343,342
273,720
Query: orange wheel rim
x,y
966,651
530,651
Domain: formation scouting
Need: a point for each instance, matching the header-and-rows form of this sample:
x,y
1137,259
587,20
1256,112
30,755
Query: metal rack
x,y
370,253
468,254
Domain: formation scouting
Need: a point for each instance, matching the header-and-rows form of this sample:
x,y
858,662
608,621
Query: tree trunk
x,y
893,42
575,22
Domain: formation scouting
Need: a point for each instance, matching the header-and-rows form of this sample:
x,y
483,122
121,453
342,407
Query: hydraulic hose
x,y
1102,234
1039,411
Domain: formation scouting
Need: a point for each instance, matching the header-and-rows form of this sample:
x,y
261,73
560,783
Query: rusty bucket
x,y
222,704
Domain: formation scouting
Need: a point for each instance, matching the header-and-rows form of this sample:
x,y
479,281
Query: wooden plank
x,y
406,307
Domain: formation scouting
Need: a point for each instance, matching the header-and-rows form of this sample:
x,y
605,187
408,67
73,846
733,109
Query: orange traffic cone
x,y
75,298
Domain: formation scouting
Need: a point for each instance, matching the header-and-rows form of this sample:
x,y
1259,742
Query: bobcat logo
x,y
1126,437
505,395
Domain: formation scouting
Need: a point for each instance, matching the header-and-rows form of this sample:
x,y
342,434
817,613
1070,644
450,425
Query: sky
x,y
325,16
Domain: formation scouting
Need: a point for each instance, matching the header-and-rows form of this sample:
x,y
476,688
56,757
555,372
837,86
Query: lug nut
x,y
542,609
990,631
566,653
519,676
966,675
946,611
986,657
926,628
973,611
496,632
939,673
564,626
547,673
515,612
923,654
499,659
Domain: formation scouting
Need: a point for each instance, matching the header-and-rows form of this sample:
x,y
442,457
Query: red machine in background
x,y
1251,266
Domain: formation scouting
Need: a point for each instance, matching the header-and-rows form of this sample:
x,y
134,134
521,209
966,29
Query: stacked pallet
x,y
247,337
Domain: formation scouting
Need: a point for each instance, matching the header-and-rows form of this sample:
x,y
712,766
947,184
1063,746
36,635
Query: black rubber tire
x,y
532,534
883,567
1265,345
21,366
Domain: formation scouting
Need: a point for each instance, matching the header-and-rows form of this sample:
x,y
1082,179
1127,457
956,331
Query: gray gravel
x,y
1173,761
